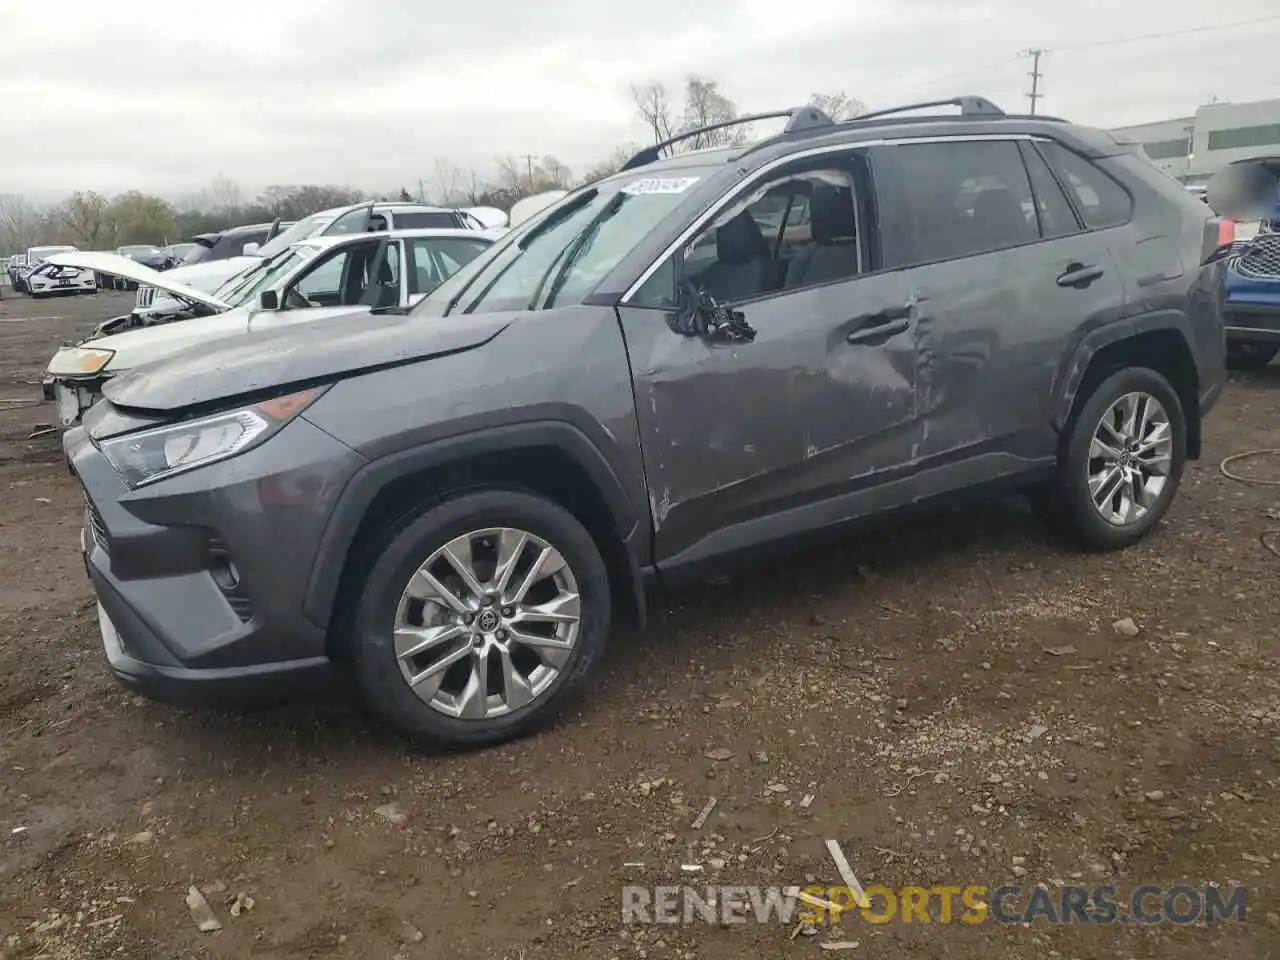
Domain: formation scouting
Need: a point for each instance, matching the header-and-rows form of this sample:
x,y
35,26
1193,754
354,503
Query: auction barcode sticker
x,y
660,185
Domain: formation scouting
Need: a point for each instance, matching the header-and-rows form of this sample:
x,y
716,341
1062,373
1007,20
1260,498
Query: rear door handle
x,y
1079,276
882,325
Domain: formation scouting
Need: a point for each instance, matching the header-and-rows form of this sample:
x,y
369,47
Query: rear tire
x,y
1098,501
489,669
1250,356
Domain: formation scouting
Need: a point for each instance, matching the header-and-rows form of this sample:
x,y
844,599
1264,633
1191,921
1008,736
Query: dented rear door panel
x,y
734,433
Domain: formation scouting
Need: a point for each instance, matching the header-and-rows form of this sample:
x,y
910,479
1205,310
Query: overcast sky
x,y
162,97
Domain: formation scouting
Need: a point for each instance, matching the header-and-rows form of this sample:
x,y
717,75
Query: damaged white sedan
x,y
308,280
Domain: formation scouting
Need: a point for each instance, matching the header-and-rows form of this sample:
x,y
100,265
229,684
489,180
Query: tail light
x,y
1226,232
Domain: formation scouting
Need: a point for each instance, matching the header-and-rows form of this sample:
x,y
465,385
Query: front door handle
x,y
882,325
1079,275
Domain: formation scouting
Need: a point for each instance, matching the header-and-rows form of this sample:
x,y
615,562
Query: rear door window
x,y
961,198
1052,207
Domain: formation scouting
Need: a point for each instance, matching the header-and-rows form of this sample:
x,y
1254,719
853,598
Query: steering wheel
x,y
298,301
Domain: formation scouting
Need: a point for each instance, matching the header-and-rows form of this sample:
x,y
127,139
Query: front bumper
x,y
174,627
1252,321
73,397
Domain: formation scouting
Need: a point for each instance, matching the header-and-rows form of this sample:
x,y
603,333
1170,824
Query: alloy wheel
x,y
1130,457
487,623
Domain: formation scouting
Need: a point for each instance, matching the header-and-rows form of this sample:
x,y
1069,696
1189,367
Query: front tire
x,y
479,618
1119,463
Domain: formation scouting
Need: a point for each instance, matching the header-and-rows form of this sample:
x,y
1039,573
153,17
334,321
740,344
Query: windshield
x,y
559,256
40,253
304,229
246,284
138,250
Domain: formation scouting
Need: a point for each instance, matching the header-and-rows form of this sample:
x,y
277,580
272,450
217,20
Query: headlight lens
x,y
151,455
79,361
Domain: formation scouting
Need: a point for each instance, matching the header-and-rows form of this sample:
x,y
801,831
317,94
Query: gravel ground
x,y
948,698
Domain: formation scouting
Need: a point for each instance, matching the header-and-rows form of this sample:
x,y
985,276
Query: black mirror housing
x,y
269,300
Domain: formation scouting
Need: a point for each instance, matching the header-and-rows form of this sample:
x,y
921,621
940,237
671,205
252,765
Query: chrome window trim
x,y
746,186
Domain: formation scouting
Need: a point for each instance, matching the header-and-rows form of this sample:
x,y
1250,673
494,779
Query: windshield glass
x,y
40,253
246,284
139,249
304,229
559,255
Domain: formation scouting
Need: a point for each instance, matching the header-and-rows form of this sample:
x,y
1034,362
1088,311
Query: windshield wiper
x,y
573,253
580,201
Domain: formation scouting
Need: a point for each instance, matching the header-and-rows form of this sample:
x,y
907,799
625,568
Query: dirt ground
x,y
948,698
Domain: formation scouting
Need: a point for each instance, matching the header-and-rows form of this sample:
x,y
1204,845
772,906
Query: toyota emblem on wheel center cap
x,y
487,622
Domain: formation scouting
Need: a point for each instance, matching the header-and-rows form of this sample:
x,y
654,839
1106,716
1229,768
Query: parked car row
x,y
445,494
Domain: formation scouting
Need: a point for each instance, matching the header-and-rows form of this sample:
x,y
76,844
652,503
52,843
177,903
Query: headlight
x,y
151,455
79,361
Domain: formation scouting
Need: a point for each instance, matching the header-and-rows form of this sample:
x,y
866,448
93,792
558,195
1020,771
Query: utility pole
x,y
528,159
1035,53
422,194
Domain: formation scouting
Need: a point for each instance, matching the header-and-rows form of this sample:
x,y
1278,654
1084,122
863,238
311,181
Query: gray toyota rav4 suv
x,y
702,358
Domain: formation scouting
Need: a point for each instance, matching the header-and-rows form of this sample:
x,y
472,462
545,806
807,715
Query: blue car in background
x,y
1251,290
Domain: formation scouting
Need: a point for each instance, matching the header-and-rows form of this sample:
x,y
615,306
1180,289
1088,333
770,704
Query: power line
x,y
1115,41
1168,33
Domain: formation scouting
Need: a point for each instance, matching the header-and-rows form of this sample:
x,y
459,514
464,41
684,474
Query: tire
x,y
1067,504
372,645
1250,356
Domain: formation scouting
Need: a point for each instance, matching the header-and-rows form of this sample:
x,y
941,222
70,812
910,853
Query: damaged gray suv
x,y
701,359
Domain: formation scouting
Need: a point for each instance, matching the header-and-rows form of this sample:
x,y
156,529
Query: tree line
x,y
92,221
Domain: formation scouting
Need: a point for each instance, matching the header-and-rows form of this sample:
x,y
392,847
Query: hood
x,y
276,359
208,275
114,265
133,348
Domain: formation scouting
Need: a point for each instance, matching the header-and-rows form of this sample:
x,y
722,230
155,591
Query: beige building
x,y
1194,148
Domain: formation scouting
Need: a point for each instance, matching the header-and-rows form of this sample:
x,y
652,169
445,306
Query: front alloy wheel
x,y
479,616
487,623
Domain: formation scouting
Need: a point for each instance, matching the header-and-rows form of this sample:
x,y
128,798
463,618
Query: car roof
x,y
395,206
333,240
810,128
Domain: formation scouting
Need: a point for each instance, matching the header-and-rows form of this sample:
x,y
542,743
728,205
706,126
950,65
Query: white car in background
x,y
45,279
307,280
363,217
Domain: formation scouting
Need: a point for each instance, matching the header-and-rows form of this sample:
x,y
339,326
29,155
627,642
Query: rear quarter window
x,y
1100,200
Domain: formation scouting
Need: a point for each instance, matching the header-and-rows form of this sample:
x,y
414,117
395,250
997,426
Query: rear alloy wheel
x,y
480,616
1121,462
1251,356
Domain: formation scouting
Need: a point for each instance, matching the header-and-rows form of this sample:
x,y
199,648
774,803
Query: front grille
x,y
93,520
1261,258
146,295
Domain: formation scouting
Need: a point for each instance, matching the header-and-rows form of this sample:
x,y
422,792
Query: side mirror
x,y
251,248
416,298
1245,190
269,300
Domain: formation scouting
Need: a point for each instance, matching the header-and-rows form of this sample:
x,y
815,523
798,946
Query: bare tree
x,y
838,105
456,184
20,223
609,165
653,106
136,217
705,106
84,216
224,196
552,174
